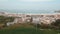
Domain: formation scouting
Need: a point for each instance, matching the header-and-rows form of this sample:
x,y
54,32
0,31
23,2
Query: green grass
x,y
27,30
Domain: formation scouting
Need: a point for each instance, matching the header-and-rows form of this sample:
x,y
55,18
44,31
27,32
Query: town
x,y
32,18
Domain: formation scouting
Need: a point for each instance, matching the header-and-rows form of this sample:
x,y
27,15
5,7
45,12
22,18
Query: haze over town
x,y
29,6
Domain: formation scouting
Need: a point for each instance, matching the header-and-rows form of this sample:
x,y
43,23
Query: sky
x,y
30,4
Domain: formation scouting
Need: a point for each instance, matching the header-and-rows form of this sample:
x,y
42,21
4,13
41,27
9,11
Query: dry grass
x,y
25,25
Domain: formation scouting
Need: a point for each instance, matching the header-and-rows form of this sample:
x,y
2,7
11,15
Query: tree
x,y
57,22
5,20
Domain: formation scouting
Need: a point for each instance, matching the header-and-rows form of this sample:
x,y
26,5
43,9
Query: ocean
x,y
30,11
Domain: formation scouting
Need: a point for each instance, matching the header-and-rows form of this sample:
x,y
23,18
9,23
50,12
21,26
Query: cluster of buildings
x,y
32,18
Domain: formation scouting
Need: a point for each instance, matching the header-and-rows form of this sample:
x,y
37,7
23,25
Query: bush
x,y
56,24
4,20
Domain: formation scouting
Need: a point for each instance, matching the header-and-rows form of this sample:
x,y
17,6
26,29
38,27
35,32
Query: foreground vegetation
x,y
24,29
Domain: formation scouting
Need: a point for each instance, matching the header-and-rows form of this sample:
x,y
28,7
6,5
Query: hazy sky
x,y
30,4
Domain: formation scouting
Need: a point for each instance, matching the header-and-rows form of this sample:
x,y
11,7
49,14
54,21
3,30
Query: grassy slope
x,y
24,29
